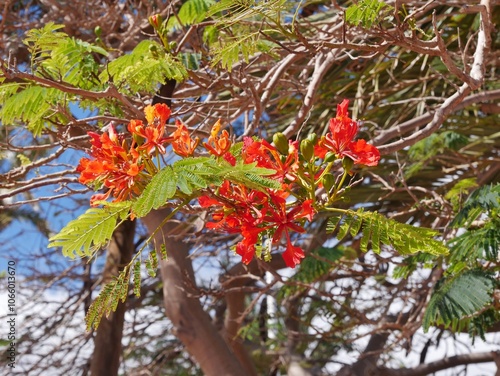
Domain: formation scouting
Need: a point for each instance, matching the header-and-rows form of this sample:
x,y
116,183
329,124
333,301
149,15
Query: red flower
x,y
182,142
292,255
340,140
267,156
216,145
286,222
151,137
115,166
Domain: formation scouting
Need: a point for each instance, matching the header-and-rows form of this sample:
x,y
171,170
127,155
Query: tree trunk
x,y
108,340
193,326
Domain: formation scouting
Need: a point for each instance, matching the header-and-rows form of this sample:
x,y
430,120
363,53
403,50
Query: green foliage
x,y
72,61
241,10
31,104
90,231
481,243
193,174
377,229
431,146
108,299
244,45
458,297
144,68
462,297
366,12
486,198
243,40
437,143
152,263
191,12
456,193
410,264
137,278
41,42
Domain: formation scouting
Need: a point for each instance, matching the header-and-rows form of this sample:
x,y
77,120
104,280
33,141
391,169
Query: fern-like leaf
x,y
365,12
84,235
41,42
250,175
482,243
159,190
144,68
191,12
73,62
108,299
152,263
484,199
458,297
137,278
377,229
31,105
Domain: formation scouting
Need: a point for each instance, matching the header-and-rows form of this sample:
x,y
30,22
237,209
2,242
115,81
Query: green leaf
x,y
250,175
191,12
72,60
484,199
378,229
108,299
365,12
86,234
159,190
41,42
481,243
459,297
137,278
31,105
152,263
144,68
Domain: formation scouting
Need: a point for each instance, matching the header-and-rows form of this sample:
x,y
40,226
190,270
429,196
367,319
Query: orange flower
x,y
115,166
216,145
151,137
267,156
182,143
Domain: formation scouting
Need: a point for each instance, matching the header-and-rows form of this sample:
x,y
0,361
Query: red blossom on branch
x,y
152,136
182,143
267,156
116,166
255,214
340,140
218,145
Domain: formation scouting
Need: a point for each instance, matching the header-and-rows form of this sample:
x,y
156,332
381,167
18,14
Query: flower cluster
x,y
124,167
263,216
254,213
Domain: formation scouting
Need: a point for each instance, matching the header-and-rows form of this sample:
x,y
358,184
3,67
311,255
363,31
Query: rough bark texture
x,y
108,339
193,326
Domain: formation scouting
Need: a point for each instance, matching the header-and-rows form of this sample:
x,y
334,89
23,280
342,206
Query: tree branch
x,y
445,363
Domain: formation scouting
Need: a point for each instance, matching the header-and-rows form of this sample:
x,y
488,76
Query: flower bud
x,y
156,21
281,143
328,181
307,149
313,138
98,31
330,157
347,163
172,45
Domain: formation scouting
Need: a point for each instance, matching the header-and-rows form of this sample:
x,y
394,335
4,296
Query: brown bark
x,y
108,340
442,364
193,326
